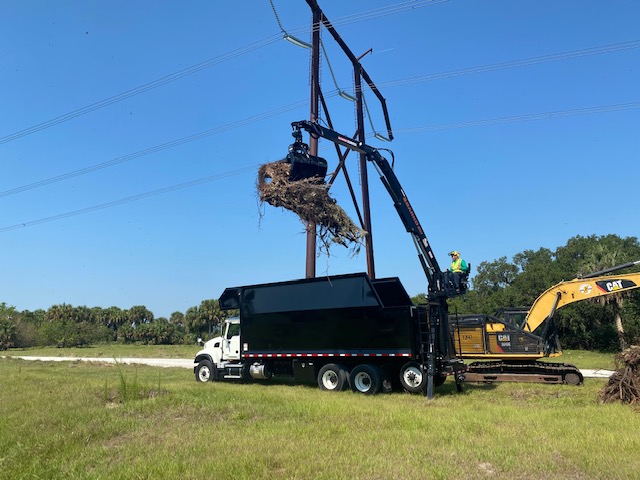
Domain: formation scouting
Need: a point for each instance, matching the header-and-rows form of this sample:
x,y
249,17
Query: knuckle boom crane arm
x,y
400,201
436,346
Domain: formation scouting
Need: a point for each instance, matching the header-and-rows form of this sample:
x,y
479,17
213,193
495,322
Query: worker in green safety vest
x,y
456,271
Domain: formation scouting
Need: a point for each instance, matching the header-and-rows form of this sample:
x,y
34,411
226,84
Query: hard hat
x,y
455,252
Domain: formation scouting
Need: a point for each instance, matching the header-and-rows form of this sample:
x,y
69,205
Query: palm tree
x,y
600,258
210,310
7,326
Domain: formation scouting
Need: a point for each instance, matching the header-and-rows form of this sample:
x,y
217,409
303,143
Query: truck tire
x,y
366,379
412,378
333,378
244,373
205,371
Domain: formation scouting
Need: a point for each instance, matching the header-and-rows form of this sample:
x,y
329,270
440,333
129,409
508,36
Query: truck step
x,y
236,377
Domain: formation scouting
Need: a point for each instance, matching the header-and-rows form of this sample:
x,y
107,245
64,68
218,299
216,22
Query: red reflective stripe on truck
x,y
297,355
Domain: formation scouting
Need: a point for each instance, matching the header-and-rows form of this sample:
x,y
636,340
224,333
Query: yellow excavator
x,y
509,345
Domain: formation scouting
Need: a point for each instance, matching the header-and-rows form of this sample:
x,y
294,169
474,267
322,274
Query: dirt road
x,y
154,362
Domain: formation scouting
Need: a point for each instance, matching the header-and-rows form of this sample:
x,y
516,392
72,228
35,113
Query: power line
x,y
192,183
172,77
601,49
150,150
375,13
344,20
524,118
515,63
132,198
141,89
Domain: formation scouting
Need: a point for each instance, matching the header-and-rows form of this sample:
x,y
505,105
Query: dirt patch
x,y
310,200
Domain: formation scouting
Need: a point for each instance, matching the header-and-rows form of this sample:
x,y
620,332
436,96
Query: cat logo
x,y
585,289
615,285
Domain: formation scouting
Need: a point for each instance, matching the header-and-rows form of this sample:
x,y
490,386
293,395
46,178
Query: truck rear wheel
x,y
412,378
204,371
333,378
366,379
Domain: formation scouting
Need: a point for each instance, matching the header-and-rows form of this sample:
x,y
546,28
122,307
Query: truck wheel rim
x,y
412,376
362,382
330,380
204,374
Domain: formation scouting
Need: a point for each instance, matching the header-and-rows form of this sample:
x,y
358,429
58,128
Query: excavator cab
x,y
304,165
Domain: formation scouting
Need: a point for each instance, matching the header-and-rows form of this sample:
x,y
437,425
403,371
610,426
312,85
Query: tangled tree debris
x,y
310,200
624,384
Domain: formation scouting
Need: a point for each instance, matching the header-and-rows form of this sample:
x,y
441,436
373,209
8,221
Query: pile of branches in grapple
x,y
624,384
310,200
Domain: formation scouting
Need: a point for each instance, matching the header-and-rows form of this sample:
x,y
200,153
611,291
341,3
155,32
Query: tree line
x,y
611,323
607,325
67,326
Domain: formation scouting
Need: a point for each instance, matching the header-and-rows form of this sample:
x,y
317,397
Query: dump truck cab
x,y
220,357
226,346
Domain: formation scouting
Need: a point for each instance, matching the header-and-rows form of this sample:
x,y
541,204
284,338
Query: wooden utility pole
x,y
313,142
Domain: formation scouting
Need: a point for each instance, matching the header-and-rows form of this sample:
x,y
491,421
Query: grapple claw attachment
x,y
307,166
303,165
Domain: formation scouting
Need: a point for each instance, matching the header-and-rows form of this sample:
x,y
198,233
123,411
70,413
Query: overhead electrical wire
x,y
375,13
342,21
250,168
150,150
601,49
172,77
140,89
133,198
523,118
389,84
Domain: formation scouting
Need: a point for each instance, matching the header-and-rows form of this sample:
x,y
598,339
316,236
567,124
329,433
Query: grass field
x,y
76,421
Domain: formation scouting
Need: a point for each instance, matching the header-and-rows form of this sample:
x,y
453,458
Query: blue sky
x,y
516,127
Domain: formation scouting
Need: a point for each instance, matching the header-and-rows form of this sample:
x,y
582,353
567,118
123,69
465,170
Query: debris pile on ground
x,y
624,384
310,200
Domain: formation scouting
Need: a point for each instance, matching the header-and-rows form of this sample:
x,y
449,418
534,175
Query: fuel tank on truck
x,y
349,315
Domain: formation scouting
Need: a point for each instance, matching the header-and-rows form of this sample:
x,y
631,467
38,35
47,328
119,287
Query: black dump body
x,y
347,315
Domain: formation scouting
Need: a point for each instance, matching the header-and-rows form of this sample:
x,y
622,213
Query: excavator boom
x,y
576,290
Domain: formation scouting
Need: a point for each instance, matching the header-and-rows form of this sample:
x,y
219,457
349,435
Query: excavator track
x,y
531,372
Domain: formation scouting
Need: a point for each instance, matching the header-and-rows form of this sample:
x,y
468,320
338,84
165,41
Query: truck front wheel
x,y
366,379
204,371
333,377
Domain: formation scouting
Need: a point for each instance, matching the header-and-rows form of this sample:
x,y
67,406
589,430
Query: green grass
x,y
78,421
586,359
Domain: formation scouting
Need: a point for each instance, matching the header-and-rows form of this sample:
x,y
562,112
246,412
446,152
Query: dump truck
x,y
344,331
339,331
508,346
